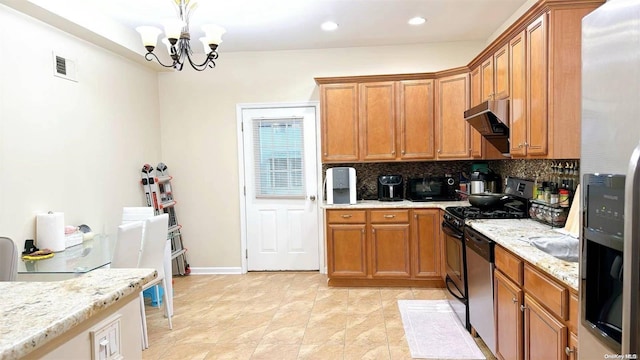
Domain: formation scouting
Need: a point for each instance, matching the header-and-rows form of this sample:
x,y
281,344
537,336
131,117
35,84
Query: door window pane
x,y
278,154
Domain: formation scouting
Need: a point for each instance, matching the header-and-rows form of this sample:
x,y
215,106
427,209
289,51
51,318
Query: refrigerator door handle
x,y
631,261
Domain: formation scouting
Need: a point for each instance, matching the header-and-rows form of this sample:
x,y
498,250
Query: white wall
x,y
66,146
198,122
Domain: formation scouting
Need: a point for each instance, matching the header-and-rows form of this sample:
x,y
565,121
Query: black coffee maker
x,y
390,188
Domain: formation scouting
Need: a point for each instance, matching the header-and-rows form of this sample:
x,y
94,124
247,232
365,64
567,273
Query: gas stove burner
x,y
504,212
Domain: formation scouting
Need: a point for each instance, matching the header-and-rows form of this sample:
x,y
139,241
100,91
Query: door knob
x,y
312,197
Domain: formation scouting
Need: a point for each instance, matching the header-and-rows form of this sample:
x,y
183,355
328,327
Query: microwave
x,y
432,188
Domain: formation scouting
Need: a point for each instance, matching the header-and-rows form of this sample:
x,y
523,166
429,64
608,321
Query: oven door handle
x,y
449,281
451,231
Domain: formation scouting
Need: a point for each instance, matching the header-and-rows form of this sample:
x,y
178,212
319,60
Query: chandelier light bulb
x,y
149,35
213,33
173,28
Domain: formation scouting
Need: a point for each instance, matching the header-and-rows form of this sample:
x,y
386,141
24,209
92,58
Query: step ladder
x,y
157,189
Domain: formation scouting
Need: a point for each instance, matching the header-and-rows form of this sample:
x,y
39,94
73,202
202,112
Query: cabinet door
x,y
416,119
425,246
486,71
518,103
453,130
377,120
476,98
339,107
501,73
537,73
508,298
572,347
346,250
544,336
390,251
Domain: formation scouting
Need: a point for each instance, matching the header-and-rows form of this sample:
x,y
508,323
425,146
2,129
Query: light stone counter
x,y
404,204
34,313
514,235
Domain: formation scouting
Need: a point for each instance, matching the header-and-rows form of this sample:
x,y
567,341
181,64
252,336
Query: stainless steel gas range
x,y
469,259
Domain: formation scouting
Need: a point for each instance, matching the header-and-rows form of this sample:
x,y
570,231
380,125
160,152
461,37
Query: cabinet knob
x,y
402,152
325,154
568,351
526,144
388,216
346,216
393,152
520,145
438,151
514,300
522,308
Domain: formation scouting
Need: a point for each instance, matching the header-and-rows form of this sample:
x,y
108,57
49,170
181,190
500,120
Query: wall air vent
x,y
64,67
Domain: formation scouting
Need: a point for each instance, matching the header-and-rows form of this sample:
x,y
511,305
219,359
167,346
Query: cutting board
x,y
572,226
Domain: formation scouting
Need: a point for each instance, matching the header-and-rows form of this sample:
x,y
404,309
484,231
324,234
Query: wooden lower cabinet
x,y
390,251
508,298
534,320
346,243
384,247
425,246
545,337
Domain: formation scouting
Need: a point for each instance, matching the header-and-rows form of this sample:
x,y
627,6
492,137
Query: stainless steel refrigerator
x,y
611,145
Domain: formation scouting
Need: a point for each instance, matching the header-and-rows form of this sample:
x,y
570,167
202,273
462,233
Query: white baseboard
x,y
216,270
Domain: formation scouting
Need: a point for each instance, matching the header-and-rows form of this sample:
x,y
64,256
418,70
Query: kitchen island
x,y
44,318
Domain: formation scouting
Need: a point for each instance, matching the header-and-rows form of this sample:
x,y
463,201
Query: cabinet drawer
x,y
552,295
389,216
346,216
509,264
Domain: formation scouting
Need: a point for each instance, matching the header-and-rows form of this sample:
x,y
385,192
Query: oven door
x,y
455,273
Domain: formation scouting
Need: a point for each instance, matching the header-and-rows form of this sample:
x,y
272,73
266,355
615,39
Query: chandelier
x,y
178,39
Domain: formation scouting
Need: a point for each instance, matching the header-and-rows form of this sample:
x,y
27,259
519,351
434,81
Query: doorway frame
x,y
241,177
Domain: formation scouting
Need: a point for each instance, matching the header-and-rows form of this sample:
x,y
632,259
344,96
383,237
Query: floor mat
x,y
434,332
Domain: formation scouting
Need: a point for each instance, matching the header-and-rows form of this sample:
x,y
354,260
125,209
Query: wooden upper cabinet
x,y
501,73
452,99
486,71
537,90
476,98
416,119
339,124
495,75
518,102
377,120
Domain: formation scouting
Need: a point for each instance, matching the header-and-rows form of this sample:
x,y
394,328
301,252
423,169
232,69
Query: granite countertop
x,y
404,204
34,313
514,235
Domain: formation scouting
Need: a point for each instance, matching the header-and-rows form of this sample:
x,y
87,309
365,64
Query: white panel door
x,y
280,169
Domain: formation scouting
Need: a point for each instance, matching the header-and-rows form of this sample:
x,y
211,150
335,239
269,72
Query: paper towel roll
x,y
50,231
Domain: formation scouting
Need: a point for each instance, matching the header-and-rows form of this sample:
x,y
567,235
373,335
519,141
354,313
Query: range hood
x,y
491,119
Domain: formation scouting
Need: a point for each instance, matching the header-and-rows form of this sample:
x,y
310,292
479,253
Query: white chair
x,y
8,259
128,246
154,245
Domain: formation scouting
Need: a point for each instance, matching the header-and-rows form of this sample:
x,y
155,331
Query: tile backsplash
x,y
367,173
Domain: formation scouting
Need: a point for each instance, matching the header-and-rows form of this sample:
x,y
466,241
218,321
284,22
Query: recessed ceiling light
x,y
417,20
329,26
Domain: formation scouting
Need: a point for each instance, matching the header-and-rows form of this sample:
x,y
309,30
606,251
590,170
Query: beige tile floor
x,y
281,315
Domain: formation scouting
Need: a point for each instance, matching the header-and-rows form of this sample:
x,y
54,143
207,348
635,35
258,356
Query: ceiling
x,y
262,25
